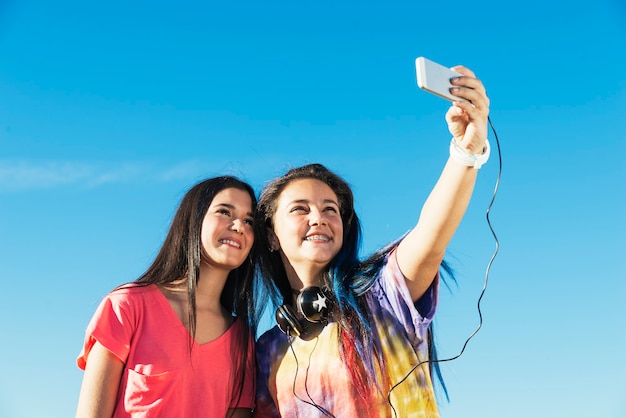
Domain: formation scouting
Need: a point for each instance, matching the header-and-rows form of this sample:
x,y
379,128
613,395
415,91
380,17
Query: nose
x,y
317,218
237,226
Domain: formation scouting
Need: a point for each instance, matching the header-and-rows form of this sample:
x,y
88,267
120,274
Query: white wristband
x,y
458,154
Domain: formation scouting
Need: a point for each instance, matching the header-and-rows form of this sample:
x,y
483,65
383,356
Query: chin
x,y
229,264
322,259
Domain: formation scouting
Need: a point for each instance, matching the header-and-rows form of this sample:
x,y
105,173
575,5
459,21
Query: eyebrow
x,y
308,201
231,206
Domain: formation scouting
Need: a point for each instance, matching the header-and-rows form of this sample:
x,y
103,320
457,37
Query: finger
x,y
477,100
469,82
470,88
467,79
456,114
463,70
475,112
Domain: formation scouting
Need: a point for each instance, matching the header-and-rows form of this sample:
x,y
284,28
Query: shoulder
x,y
384,267
390,285
132,291
129,297
270,347
237,328
270,340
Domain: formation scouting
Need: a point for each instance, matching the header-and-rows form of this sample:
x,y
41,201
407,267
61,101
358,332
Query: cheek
x,y
338,227
203,235
205,238
339,240
285,230
207,235
339,234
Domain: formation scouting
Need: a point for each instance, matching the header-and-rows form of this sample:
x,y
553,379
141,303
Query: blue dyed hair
x,y
347,277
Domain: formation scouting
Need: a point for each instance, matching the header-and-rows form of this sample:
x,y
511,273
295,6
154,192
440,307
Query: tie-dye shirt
x,y
297,378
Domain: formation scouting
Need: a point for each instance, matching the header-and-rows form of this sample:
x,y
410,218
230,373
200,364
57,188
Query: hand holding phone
x,y
435,78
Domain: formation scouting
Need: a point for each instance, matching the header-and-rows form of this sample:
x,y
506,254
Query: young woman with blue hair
x,y
353,338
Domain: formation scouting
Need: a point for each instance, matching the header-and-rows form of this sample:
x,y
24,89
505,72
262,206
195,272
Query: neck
x,y
301,276
210,285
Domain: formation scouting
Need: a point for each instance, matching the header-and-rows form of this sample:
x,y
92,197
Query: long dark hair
x,y
347,277
180,257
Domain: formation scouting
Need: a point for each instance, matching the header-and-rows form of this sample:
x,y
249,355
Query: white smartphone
x,y
435,78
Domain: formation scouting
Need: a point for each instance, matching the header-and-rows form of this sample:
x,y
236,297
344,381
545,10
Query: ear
x,y
273,240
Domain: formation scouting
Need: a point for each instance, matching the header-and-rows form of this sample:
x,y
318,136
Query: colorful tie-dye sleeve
x,y
401,334
307,378
392,293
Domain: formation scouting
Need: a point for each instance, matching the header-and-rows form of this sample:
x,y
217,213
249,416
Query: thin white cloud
x,y
201,168
22,175
119,174
19,175
182,170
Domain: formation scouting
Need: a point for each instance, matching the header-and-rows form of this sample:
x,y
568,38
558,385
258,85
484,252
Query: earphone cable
x,y
293,387
482,293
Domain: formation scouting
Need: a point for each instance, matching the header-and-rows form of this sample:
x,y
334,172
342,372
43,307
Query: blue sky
x,y
110,111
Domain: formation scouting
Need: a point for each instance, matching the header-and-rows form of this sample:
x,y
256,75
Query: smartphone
x,y
435,78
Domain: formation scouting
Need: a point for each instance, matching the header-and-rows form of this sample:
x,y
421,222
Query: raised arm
x,y
101,381
420,253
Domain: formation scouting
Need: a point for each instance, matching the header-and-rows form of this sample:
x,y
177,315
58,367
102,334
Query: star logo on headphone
x,y
320,302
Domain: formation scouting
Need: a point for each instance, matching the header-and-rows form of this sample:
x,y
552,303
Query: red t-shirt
x,y
161,378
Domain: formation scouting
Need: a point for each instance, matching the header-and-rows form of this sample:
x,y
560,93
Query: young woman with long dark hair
x,y
178,341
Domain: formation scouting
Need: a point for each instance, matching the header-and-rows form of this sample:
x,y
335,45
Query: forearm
x,y
422,250
445,207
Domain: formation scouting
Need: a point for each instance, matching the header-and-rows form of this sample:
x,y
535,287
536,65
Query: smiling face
x,y
227,229
307,228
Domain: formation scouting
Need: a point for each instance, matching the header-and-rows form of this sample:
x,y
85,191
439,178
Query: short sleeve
x,y
392,291
112,325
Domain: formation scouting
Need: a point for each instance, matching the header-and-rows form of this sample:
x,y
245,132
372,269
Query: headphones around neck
x,y
312,304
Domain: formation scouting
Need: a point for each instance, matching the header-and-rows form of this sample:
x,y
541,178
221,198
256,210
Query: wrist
x,y
460,155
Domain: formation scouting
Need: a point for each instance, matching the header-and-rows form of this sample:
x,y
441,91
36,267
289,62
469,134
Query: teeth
x,y
318,238
229,242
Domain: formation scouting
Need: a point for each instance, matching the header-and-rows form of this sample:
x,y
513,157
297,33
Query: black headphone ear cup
x,y
312,304
287,321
